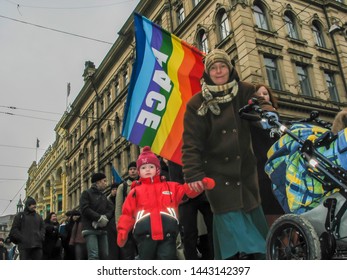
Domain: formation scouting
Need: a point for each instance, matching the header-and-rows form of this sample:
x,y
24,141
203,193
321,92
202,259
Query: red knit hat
x,y
147,157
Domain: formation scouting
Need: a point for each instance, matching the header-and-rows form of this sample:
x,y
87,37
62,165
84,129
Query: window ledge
x,y
297,41
323,49
265,31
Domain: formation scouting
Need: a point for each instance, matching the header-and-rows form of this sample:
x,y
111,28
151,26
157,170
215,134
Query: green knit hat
x,y
217,55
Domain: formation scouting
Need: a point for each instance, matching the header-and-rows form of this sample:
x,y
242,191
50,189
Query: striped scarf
x,y
212,102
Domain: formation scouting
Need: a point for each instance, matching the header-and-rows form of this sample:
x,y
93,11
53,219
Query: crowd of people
x,y
217,205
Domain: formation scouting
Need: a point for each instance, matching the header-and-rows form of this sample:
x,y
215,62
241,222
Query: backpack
x,y
12,235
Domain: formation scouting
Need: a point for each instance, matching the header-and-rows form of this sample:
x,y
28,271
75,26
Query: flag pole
x,y
68,89
37,146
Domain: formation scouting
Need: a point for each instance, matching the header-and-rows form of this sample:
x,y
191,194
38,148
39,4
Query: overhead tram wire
x,y
8,205
45,112
30,117
30,110
57,30
14,166
69,8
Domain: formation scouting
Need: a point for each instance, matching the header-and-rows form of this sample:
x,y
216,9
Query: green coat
x,y
220,147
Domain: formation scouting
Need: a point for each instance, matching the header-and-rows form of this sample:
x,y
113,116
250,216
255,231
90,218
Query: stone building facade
x,y
299,48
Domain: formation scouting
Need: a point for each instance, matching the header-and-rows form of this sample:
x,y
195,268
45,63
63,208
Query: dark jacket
x,y
219,146
93,204
28,229
52,243
3,253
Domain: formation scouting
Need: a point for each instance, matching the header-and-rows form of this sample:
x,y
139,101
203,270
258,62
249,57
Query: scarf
x,y
211,102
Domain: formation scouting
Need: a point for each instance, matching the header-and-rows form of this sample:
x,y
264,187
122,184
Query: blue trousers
x,y
97,244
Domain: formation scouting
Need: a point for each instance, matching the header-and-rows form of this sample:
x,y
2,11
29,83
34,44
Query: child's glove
x,y
209,183
122,238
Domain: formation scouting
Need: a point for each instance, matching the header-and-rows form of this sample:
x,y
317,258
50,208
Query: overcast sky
x,y
35,66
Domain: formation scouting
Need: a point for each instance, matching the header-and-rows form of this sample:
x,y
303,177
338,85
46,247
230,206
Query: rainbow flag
x,y
166,73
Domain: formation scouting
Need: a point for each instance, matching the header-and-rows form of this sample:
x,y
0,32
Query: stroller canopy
x,y
294,187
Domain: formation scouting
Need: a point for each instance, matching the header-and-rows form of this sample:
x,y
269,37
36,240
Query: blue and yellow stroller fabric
x,y
294,188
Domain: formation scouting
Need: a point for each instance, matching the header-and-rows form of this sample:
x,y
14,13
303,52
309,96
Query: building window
x,y
48,209
202,42
223,25
117,127
180,14
318,34
109,135
291,26
102,105
304,80
260,16
117,88
196,2
109,98
331,84
102,141
86,156
118,163
272,73
92,151
60,203
125,79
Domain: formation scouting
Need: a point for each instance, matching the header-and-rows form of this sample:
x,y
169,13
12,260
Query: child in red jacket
x,y
150,210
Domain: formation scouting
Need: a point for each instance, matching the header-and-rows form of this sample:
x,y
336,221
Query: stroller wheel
x,y
292,237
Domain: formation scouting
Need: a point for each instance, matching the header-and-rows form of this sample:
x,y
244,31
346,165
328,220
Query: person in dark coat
x,y
28,231
77,241
262,141
96,212
3,250
113,249
52,246
129,250
188,217
217,143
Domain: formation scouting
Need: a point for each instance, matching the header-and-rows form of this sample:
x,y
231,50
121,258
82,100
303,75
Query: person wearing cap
x,y
129,250
96,211
217,144
28,231
150,210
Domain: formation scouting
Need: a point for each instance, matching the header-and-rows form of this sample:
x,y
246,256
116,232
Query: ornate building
x,y
299,48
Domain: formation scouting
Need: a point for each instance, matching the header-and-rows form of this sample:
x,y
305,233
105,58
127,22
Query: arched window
x,y
260,16
291,25
223,25
202,41
318,34
180,14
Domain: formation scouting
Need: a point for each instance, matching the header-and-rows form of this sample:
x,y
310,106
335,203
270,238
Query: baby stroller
x,y
307,168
